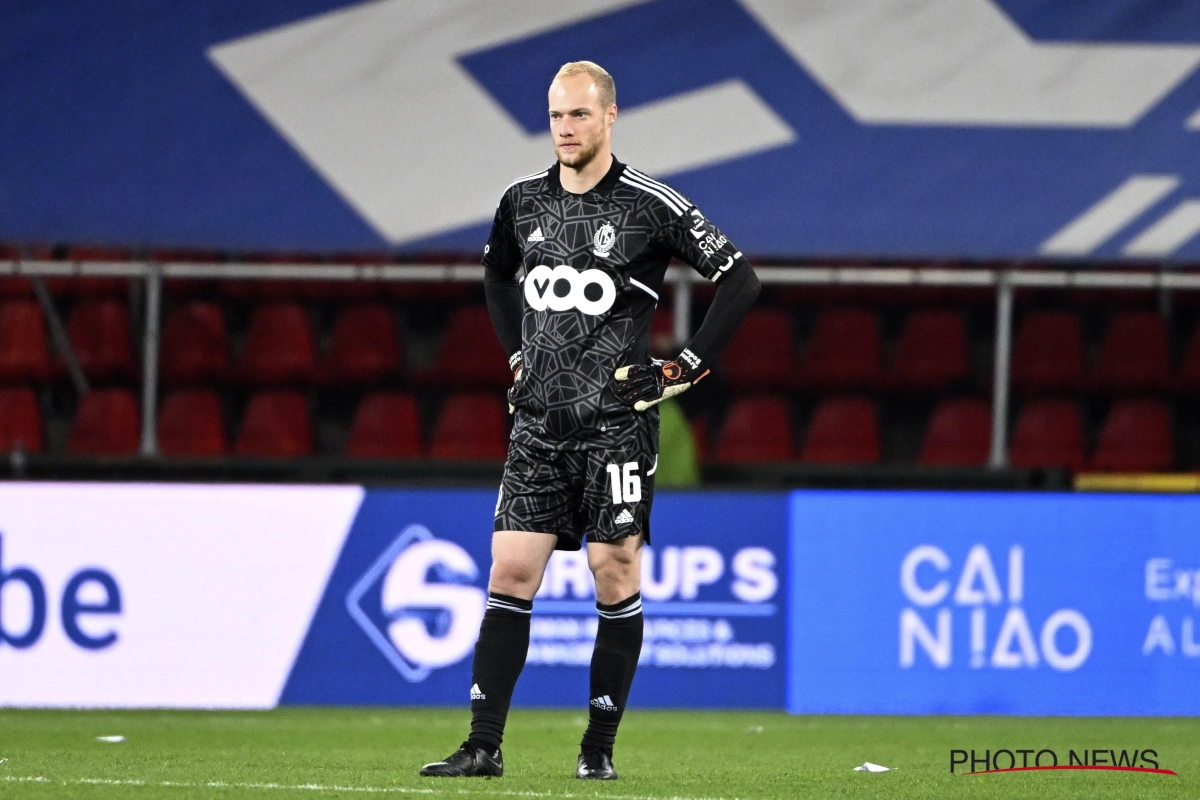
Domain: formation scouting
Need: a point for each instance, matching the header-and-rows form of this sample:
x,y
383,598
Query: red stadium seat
x,y
1048,352
1135,354
106,424
1135,437
387,425
959,434
844,351
364,347
279,346
20,421
756,430
471,426
23,353
932,352
276,425
844,430
190,423
1049,433
760,354
99,334
470,356
195,345
15,286
1189,371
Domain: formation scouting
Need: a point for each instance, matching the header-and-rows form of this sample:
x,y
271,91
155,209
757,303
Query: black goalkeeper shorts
x,y
604,495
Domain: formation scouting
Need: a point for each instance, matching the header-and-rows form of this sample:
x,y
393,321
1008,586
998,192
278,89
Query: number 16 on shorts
x,y
625,483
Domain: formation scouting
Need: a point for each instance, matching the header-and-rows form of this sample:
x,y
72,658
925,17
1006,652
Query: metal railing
x,y
1003,280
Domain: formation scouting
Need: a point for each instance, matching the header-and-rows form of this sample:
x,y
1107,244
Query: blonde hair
x,y
605,86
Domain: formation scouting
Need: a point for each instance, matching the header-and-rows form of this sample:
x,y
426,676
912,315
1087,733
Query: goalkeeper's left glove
x,y
645,385
516,362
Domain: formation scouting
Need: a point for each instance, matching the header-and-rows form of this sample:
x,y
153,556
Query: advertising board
x,y
399,617
971,603
160,596
248,596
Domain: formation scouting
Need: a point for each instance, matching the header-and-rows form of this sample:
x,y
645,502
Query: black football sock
x,y
499,656
615,659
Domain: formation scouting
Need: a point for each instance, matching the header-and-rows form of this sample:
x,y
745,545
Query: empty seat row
x,y
276,424
98,331
1135,436
280,347
845,352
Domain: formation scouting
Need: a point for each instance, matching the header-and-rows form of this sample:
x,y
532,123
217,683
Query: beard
x,y
583,155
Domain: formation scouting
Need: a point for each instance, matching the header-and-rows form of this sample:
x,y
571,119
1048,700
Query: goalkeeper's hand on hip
x,y
516,362
645,385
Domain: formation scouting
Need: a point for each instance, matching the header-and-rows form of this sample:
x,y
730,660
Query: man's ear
x,y
611,114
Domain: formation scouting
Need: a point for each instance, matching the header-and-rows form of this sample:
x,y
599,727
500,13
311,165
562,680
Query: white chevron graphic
x,y
964,62
372,95
373,98
1117,210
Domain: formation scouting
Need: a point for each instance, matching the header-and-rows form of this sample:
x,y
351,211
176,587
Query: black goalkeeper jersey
x,y
590,268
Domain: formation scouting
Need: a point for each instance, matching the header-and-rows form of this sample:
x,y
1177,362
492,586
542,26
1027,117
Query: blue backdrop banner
x,y
966,603
1010,128
401,610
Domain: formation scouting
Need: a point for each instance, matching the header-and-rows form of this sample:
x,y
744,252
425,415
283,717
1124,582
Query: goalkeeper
x,y
573,271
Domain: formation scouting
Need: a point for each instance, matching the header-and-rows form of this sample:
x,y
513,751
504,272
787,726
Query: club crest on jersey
x,y
604,240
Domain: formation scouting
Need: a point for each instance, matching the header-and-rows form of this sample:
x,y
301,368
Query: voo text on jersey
x,y
563,288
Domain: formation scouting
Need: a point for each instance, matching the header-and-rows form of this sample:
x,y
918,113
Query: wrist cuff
x,y
690,359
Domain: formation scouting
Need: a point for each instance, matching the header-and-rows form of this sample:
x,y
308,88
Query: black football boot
x,y
595,765
468,761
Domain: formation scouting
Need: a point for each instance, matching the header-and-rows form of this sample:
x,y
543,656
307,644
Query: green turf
x,y
316,753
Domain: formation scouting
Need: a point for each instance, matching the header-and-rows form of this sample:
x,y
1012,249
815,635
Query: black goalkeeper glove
x,y
645,385
515,362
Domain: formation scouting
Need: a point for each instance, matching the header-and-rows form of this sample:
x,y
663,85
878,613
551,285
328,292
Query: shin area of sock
x,y
499,657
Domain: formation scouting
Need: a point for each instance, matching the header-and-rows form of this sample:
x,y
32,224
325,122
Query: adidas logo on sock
x,y
624,518
536,236
476,694
604,703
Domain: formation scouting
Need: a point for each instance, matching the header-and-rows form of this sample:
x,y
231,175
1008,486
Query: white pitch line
x,y
317,787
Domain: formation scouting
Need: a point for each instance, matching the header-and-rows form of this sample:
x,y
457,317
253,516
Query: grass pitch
x,y
317,753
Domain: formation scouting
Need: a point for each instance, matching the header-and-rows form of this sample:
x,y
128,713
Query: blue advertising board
x,y
970,603
400,612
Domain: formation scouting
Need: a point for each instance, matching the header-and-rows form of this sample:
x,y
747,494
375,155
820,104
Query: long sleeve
x,y
501,261
698,242
736,293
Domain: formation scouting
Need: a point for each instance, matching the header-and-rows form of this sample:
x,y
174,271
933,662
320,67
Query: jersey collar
x,y
605,185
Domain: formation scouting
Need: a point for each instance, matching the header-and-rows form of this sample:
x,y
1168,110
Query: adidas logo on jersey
x,y
624,518
476,694
536,236
604,703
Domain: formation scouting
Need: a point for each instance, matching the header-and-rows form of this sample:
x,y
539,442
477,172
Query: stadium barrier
x,y
1005,281
832,602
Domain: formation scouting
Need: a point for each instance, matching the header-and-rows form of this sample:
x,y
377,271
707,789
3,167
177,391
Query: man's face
x,y
578,125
